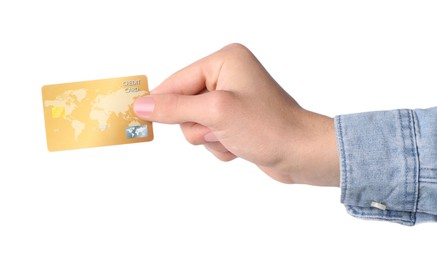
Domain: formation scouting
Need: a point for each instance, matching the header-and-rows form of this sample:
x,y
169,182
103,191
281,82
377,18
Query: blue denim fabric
x,y
388,163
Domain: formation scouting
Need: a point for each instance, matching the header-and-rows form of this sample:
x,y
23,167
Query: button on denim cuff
x,y
388,164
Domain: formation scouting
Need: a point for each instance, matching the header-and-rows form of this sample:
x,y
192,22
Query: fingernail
x,y
210,138
144,107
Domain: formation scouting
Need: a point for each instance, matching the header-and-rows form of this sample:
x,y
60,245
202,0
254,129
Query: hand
x,y
230,104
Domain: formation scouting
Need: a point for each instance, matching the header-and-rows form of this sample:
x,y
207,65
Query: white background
x,y
167,199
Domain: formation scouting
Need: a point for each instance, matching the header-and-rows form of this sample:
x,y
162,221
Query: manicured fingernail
x,y
210,138
144,107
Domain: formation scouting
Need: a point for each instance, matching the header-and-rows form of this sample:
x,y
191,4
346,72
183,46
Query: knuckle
x,y
238,51
220,106
237,47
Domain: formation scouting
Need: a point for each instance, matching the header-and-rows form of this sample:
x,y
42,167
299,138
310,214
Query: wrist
x,y
325,166
310,153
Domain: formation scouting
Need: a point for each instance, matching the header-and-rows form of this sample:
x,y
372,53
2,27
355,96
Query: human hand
x,y
230,104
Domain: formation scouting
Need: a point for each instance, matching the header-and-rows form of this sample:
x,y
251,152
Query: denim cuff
x,y
379,164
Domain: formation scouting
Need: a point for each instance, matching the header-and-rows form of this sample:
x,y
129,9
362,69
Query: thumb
x,y
173,108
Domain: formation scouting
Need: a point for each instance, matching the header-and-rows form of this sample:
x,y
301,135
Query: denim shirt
x,y
388,164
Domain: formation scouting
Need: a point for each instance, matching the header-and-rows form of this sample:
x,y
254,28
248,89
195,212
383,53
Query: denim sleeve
x,y
388,164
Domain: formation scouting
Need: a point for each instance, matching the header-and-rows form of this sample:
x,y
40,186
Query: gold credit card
x,y
94,113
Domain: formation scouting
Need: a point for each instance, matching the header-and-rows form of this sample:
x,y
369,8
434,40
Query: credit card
x,y
94,113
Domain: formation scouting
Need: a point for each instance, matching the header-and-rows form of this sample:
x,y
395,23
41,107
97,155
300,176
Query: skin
x,y
229,103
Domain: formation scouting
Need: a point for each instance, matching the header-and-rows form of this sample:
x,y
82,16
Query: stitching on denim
x,y
428,169
406,203
376,216
343,155
432,181
433,170
416,155
428,178
366,215
405,157
379,217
